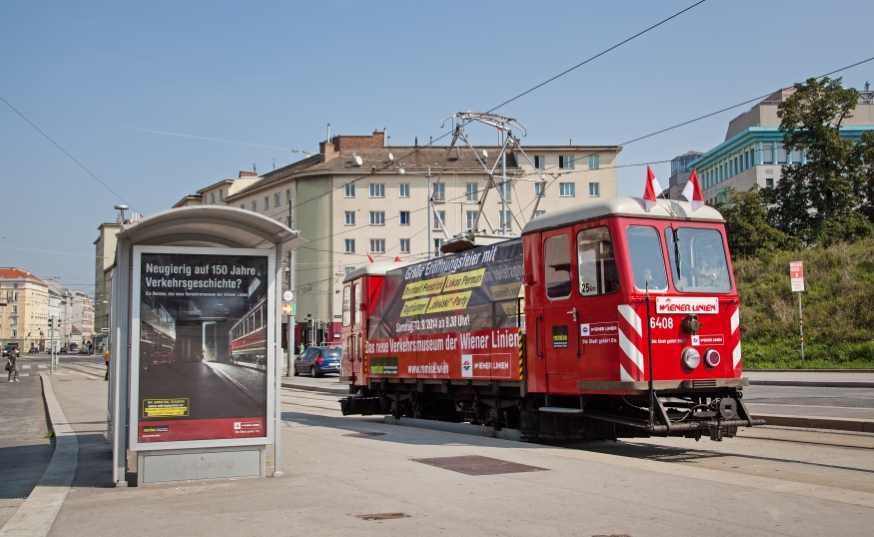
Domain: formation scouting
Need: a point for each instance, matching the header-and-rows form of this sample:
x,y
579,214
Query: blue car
x,y
316,361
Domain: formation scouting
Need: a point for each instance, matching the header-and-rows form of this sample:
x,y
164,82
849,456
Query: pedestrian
x,y
106,357
12,364
302,347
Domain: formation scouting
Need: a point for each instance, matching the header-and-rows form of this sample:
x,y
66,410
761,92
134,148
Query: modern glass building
x,y
753,153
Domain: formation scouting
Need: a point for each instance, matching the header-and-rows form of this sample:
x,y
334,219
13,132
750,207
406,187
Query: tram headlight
x,y
711,357
690,358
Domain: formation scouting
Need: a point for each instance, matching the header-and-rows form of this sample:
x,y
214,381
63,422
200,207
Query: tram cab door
x,y
559,327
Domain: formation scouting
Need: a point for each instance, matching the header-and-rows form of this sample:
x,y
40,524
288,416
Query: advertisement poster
x,y
202,346
450,317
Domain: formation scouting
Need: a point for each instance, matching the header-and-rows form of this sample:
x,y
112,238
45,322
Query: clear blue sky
x,y
275,73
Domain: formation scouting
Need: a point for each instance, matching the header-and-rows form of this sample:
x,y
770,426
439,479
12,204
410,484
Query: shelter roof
x,y
620,207
211,225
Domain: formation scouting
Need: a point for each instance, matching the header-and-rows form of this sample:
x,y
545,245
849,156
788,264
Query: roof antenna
x,y
274,164
329,133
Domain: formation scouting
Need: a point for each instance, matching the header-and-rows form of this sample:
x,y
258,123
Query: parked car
x,y
33,350
318,360
62,351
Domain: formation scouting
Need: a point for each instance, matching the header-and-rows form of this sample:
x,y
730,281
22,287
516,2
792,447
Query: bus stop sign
x,y
796,276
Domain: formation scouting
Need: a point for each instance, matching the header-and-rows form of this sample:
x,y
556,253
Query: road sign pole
x,y
801,327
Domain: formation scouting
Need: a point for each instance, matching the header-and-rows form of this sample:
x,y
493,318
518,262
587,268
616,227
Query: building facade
x,y
753,153
24,318
104,260
359,197
681,170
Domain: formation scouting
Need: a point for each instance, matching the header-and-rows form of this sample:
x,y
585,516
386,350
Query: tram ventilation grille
x,y
477,465
704,383
383,516
363,435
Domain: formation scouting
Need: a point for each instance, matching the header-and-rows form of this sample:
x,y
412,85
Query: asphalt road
x,y
24,449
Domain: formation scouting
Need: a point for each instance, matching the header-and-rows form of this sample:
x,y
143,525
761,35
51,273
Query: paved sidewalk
x,y
332,477
839,378
24,450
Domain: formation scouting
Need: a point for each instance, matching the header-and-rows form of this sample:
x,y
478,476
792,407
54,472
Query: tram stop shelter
x,y
195,345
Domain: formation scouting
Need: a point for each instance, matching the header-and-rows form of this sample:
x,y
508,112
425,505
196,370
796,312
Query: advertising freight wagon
x,y
602,321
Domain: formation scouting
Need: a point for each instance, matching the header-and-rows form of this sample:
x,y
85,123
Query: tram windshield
x,y
697,259
647,260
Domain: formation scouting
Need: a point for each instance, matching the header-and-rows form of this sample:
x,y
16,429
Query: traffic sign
x,y
288,308
287,295
796,276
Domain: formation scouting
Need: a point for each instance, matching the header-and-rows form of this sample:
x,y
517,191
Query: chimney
x,y
326,150
247,174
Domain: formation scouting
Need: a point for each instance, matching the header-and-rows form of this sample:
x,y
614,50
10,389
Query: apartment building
x,y
359,197
24,317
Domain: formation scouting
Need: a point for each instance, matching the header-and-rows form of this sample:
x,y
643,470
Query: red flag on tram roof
x,y
369,257
692,191
398,259
652,189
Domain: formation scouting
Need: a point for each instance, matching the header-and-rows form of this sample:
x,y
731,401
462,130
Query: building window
x,y
350,246
222,194
377,218
769,182
13,321
538,189
539,162
767,154
254,205
404,190
15,333
439,216
566,190
506,190
594,190
781,154
506,220
405,218
472,191
471,219
350,190
405,246
439,191
350,218
438,243
14,309
377,190
377,246
266,202
593,162
277,200
212,198
566,162
539,213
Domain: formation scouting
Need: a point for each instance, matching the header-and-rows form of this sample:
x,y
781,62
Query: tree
x,y
821,201
747,227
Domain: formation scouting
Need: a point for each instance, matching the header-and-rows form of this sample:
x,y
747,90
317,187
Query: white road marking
x,y
43,366
25,367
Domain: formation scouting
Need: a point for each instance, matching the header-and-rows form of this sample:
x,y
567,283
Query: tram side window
x,y
597,264
647,259
702,267
347,312
356,304
557,266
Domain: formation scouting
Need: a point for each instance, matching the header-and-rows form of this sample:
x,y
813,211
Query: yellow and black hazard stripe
x,y
521,354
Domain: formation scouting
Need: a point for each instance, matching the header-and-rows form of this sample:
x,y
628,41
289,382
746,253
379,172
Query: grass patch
x,y
838,308
50,434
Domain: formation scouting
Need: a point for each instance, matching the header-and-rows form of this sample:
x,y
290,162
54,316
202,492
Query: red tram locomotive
x,y
602,321
248,337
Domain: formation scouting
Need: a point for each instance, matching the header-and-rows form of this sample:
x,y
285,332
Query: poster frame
x,y
134,377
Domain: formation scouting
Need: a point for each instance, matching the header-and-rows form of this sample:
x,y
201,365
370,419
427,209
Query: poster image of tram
x,y
201,363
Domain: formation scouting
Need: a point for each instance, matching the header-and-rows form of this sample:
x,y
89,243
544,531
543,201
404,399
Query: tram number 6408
x,y
661,322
